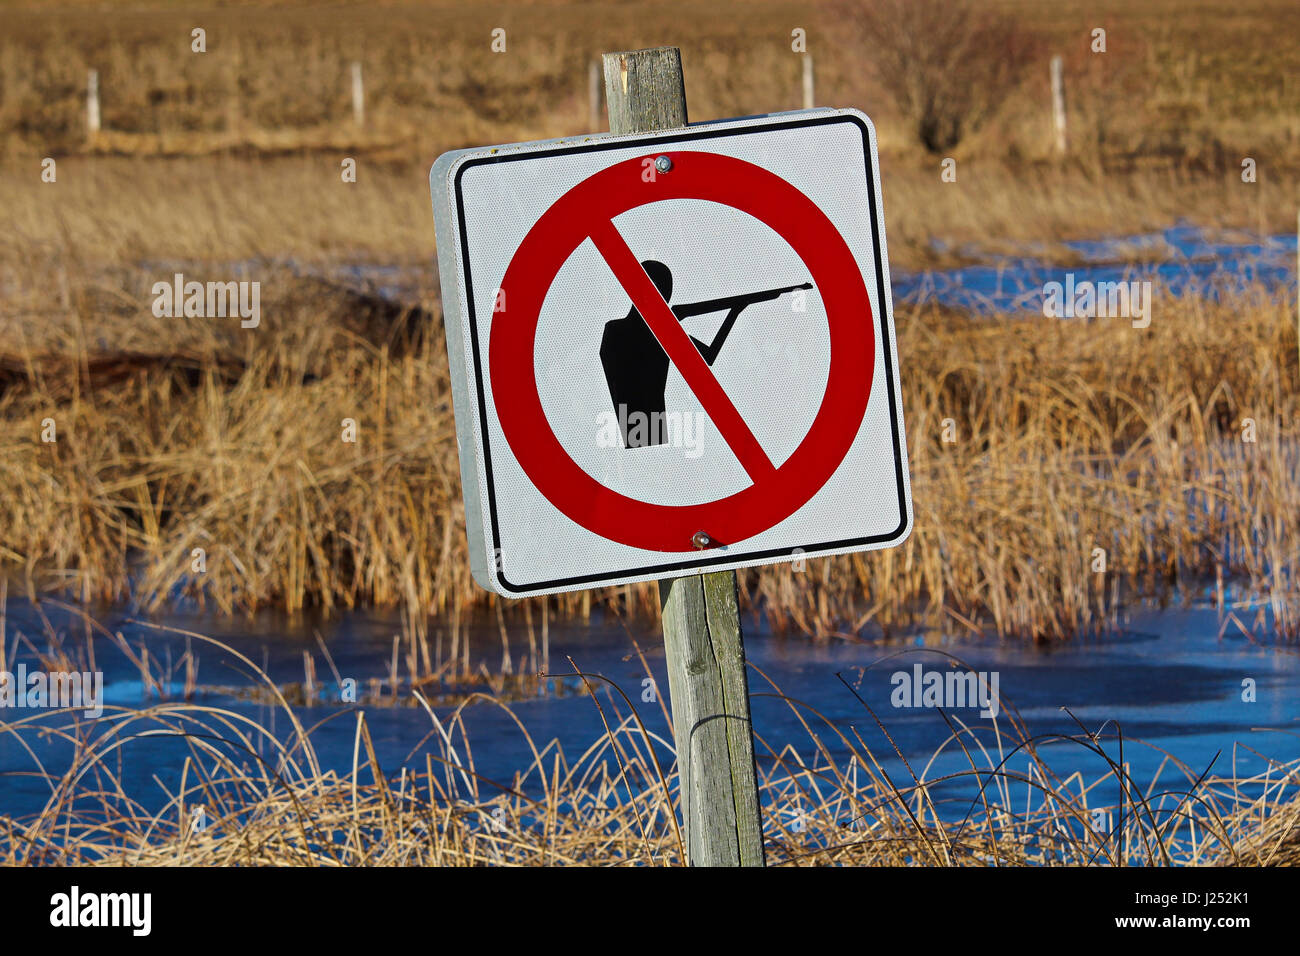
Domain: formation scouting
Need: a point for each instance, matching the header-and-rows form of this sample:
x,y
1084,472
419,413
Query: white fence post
x,y
1058,103
92,101
358,96
595,88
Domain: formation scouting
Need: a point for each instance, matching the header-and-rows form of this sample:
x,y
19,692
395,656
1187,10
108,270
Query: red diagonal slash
x,y
681,351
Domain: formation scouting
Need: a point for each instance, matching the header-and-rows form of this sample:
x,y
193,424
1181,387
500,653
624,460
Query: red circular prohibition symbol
x,y
586,211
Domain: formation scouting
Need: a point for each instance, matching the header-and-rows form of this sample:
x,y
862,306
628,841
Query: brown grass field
x,y
1071,437
175,434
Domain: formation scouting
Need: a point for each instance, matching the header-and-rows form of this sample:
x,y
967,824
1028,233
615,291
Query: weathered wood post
x,y
593,94
358,96
92,101
707,681
1058,103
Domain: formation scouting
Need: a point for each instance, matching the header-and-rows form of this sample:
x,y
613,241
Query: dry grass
x,y
266,799
120,214
1070,436
1159,124
180,434
1177,82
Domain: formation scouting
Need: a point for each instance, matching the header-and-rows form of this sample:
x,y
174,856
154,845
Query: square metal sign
x,y
671,352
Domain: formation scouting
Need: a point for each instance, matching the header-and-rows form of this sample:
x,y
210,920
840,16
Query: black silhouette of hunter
x,y
636,365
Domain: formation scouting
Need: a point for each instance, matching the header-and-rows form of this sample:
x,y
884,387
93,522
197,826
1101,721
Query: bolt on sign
x,y
671,352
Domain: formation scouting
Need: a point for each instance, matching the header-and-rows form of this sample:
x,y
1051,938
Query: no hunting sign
x,y
671,352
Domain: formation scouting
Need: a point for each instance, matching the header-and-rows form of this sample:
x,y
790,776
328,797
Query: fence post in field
x,y
358,96
92,101
808,98
594,90
1058,103
707,683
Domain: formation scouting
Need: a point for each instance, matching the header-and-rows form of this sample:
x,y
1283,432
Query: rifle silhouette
x,y
733,305
636,365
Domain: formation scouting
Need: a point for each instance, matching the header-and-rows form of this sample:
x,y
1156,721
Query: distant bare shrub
x,y
948,64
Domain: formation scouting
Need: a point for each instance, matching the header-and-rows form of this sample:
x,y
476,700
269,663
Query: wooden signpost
x,y
589,286
707,681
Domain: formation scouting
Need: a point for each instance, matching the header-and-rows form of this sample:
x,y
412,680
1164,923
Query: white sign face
x,y
671,352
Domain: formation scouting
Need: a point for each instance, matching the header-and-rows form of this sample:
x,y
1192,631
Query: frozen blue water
x,y
1169,684
1190,261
